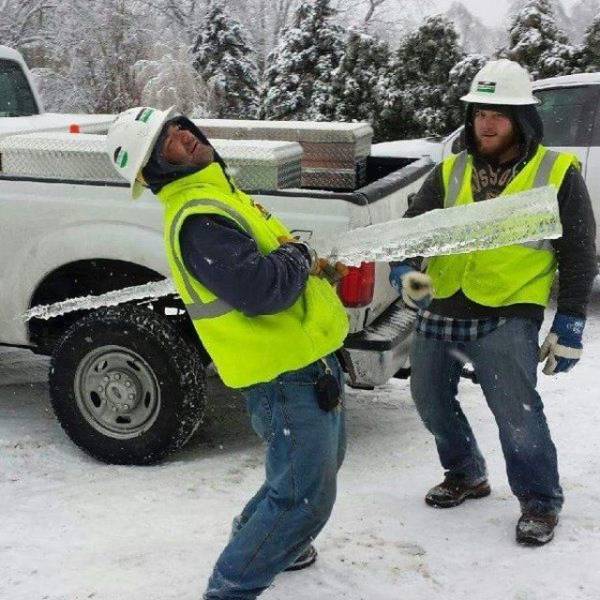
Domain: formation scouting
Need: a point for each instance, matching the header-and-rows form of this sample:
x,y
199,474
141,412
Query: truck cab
x,y
18,97
21,108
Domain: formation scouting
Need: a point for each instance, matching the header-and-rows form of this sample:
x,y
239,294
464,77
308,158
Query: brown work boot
x,y
454,491
536,530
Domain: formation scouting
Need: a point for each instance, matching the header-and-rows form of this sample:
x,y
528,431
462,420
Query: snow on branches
x,y
298,78
223,57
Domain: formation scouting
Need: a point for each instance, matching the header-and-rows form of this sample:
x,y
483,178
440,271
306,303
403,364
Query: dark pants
x,y
505,361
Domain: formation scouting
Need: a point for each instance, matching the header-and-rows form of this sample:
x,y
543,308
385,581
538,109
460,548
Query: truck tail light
x,y
356,288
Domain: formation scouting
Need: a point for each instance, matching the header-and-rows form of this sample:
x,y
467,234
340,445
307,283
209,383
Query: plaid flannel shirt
x,y
448,329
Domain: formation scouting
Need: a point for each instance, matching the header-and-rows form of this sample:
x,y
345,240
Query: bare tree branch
x,y
373,6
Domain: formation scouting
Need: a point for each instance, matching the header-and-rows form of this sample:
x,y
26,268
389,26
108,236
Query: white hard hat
x,y
130,141
501,82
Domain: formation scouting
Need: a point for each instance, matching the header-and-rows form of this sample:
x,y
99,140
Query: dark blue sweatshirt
x,y
227,261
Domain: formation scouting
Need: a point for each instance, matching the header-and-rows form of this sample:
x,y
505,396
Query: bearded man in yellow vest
x,y
270,322
487,307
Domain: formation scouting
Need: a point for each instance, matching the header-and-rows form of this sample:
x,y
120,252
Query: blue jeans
x,y
505,361
306,447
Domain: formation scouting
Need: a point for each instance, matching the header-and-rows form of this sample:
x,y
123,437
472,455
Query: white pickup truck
x,y
128,382
570,110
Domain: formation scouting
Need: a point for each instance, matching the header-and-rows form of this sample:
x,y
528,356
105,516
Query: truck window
x,y
568,115
16,97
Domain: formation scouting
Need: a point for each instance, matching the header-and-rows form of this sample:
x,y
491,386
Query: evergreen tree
x,y
459,83
590,51
223,58
418,81
537,43
298,78
357,82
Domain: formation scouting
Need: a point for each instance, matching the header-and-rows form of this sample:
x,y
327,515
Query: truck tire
x,y
126,387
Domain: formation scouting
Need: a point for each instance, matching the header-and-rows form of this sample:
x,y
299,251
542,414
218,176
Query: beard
x,y
500,147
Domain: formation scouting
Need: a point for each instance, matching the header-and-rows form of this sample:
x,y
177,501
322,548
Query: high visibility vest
x,y
248,349
515,274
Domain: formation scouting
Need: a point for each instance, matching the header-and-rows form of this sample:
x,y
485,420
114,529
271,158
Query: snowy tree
x,y
264,21
561,18
357,83
24,25
180,16
170,79
91,57
223,58
459,83
590,51
298,79
537,43
417,84
387,20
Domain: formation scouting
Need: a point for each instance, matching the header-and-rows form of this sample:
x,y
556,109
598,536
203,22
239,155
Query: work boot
x,y
536,530
307,558
454,491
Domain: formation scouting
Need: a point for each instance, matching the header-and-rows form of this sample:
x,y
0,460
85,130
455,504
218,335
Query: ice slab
x,y
530,216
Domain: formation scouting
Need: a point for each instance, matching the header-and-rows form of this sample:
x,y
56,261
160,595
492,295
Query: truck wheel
x,y
126,387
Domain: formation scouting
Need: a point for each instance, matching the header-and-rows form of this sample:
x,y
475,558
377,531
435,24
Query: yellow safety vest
x,y
515,274
248,350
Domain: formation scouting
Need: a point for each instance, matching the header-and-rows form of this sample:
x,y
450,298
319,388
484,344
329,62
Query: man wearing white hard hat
x,y
487,307
269,317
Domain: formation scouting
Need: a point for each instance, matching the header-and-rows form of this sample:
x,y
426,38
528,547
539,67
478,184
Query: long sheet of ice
x,y
526,217
156,289
514,219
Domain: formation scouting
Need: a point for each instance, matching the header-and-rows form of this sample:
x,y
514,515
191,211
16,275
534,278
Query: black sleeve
x,y
228,262
576,249
429,197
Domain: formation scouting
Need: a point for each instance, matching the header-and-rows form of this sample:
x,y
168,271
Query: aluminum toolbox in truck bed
x,y
334,153
256,165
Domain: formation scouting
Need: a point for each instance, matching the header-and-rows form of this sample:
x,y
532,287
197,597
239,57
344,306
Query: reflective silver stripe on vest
x,y
198,309
542,177
216,308
456,179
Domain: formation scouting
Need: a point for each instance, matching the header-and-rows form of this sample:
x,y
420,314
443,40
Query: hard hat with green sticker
x,y
144,115
121,157
487,87
502,82
131,139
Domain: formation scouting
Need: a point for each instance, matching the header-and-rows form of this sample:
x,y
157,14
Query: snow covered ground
x,y
74,529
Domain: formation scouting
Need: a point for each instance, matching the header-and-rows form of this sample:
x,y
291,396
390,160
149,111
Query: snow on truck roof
x,y
10,54
567,81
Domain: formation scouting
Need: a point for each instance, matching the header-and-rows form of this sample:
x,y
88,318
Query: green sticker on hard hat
x,y
121,157
144,115
487,87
